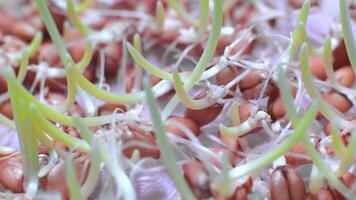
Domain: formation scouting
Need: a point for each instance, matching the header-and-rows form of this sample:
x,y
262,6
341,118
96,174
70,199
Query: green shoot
x,y
185,99
347,33
204,59
182,13
56,134
137,71
71,179
279,150
27,139
160,15
52,29
204,17
163,143
324,108
235,117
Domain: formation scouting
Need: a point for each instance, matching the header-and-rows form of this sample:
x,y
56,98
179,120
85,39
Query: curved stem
x,y
52,29
279,150
140,60
204,59
104,95
185,99
56,134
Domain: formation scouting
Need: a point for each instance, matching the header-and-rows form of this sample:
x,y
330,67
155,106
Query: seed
x,y
255,92
295,184
324,194
47,53
245,111
337,100
181,121
345,76
56,179
139,135
317,67
196,176
109,108
294,160
278,186
6,109
24,30
286,184
251,80
275,106
340,58
226,75
297,4
204,116
112,55
11,174
241,194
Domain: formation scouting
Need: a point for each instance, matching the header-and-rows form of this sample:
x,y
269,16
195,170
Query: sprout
x,y
71,179
278,150
204,59
182,13
160,15
347,33
163,143
138,71
26,137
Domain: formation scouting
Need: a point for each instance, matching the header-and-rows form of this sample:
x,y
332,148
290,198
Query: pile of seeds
x,y
222,99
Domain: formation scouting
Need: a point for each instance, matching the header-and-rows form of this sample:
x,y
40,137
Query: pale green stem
x,y
52,114
88,54
304,12
137,71
75,19
347,33
56,134
139,59
327,53
182,13
324,107
28,146
71,86
235,117
325,169
287,96
278,150
30,51
71,180
204,17
160,15
23,67
339,147
52,29
204,59
166,152
349,155
35,43
85,4
185,99
94,171
104,95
